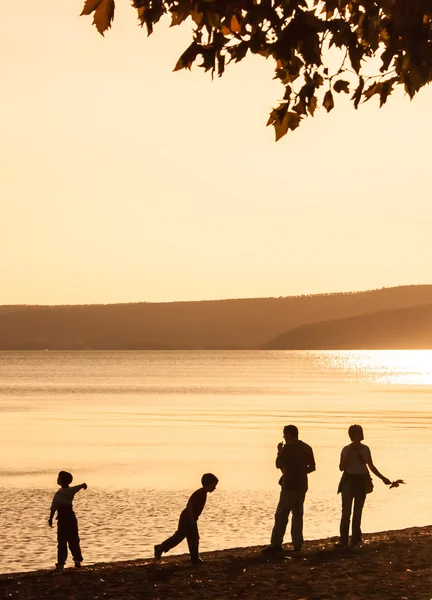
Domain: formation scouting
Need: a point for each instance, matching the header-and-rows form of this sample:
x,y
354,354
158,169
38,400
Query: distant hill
x,y
216,324
404,328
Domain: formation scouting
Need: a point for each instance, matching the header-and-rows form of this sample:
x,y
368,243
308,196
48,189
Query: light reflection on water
x,y
398,367
141,427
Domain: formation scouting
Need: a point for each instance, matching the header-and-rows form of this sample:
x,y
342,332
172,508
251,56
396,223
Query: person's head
x,y
209,482
290,433
355,433
64,479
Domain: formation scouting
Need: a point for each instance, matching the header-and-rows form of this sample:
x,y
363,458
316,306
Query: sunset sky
x,y
123,181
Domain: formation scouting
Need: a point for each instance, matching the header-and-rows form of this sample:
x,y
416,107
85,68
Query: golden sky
x,y
123,181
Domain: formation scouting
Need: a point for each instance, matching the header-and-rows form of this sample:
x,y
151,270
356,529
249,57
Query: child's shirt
x,y
197,502
64,497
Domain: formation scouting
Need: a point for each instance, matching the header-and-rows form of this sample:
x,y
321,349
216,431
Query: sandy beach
x,y
389,565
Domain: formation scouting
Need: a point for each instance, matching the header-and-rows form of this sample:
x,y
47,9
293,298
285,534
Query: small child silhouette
x,y
188,522
67,525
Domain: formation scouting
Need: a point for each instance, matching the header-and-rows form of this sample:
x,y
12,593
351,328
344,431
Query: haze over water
x,y
141,427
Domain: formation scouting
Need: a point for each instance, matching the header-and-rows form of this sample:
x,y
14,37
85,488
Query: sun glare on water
x,y
398,367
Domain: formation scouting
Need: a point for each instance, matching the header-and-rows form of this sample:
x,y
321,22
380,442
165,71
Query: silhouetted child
x,y
188,522
67,526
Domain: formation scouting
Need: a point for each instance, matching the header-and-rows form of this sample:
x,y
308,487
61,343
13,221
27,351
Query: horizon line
x,y
315,294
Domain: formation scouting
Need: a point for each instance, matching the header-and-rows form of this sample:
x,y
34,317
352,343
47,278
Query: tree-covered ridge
x,y
404,328
298,36
214,324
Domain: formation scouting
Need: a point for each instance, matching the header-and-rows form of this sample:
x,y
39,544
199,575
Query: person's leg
x,y
192,537
298,498
61,544
173,541
347,500
281,519
176,538
74,542
359,500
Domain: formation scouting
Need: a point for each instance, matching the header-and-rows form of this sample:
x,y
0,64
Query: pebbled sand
x,y
390,565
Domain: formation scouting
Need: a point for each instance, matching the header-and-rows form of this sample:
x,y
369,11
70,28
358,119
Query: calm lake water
x,y
141,427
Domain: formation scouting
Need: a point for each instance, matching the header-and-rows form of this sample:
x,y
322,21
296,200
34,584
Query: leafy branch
x,y
298,36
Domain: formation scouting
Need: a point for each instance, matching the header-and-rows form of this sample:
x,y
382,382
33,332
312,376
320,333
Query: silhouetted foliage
x,y
299,36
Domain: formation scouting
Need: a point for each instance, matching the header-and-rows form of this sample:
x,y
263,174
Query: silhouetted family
x,y
296,461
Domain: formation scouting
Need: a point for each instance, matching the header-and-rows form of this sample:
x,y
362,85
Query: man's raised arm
x,y
279,462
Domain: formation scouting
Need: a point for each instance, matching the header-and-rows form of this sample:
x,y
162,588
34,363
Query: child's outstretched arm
x,y
77,488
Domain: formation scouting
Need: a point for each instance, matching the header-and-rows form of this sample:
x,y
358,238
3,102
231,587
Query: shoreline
x,y
390,565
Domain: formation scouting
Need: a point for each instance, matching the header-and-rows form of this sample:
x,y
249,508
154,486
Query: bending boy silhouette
x,y
188,522
67,525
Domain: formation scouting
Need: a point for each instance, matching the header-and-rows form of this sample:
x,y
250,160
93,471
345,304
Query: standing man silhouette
x,y
296,460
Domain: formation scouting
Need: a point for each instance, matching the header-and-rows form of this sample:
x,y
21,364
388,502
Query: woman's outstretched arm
x,y
375,471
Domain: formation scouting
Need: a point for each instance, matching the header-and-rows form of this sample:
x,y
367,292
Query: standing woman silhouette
x,y
356,482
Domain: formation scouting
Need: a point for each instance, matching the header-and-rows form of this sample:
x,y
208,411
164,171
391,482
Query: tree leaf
x,y
300,107
141,14
177,17
329,8
239,51
358,93
103,15
282,120
310,49
375,88
288,91
293,69
290,121
209,58
313,103
221,64
414,78
355,52
187,58
386,58
235,26
213,18
386,90
317,79
197,17
90,6
328,101
341,86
